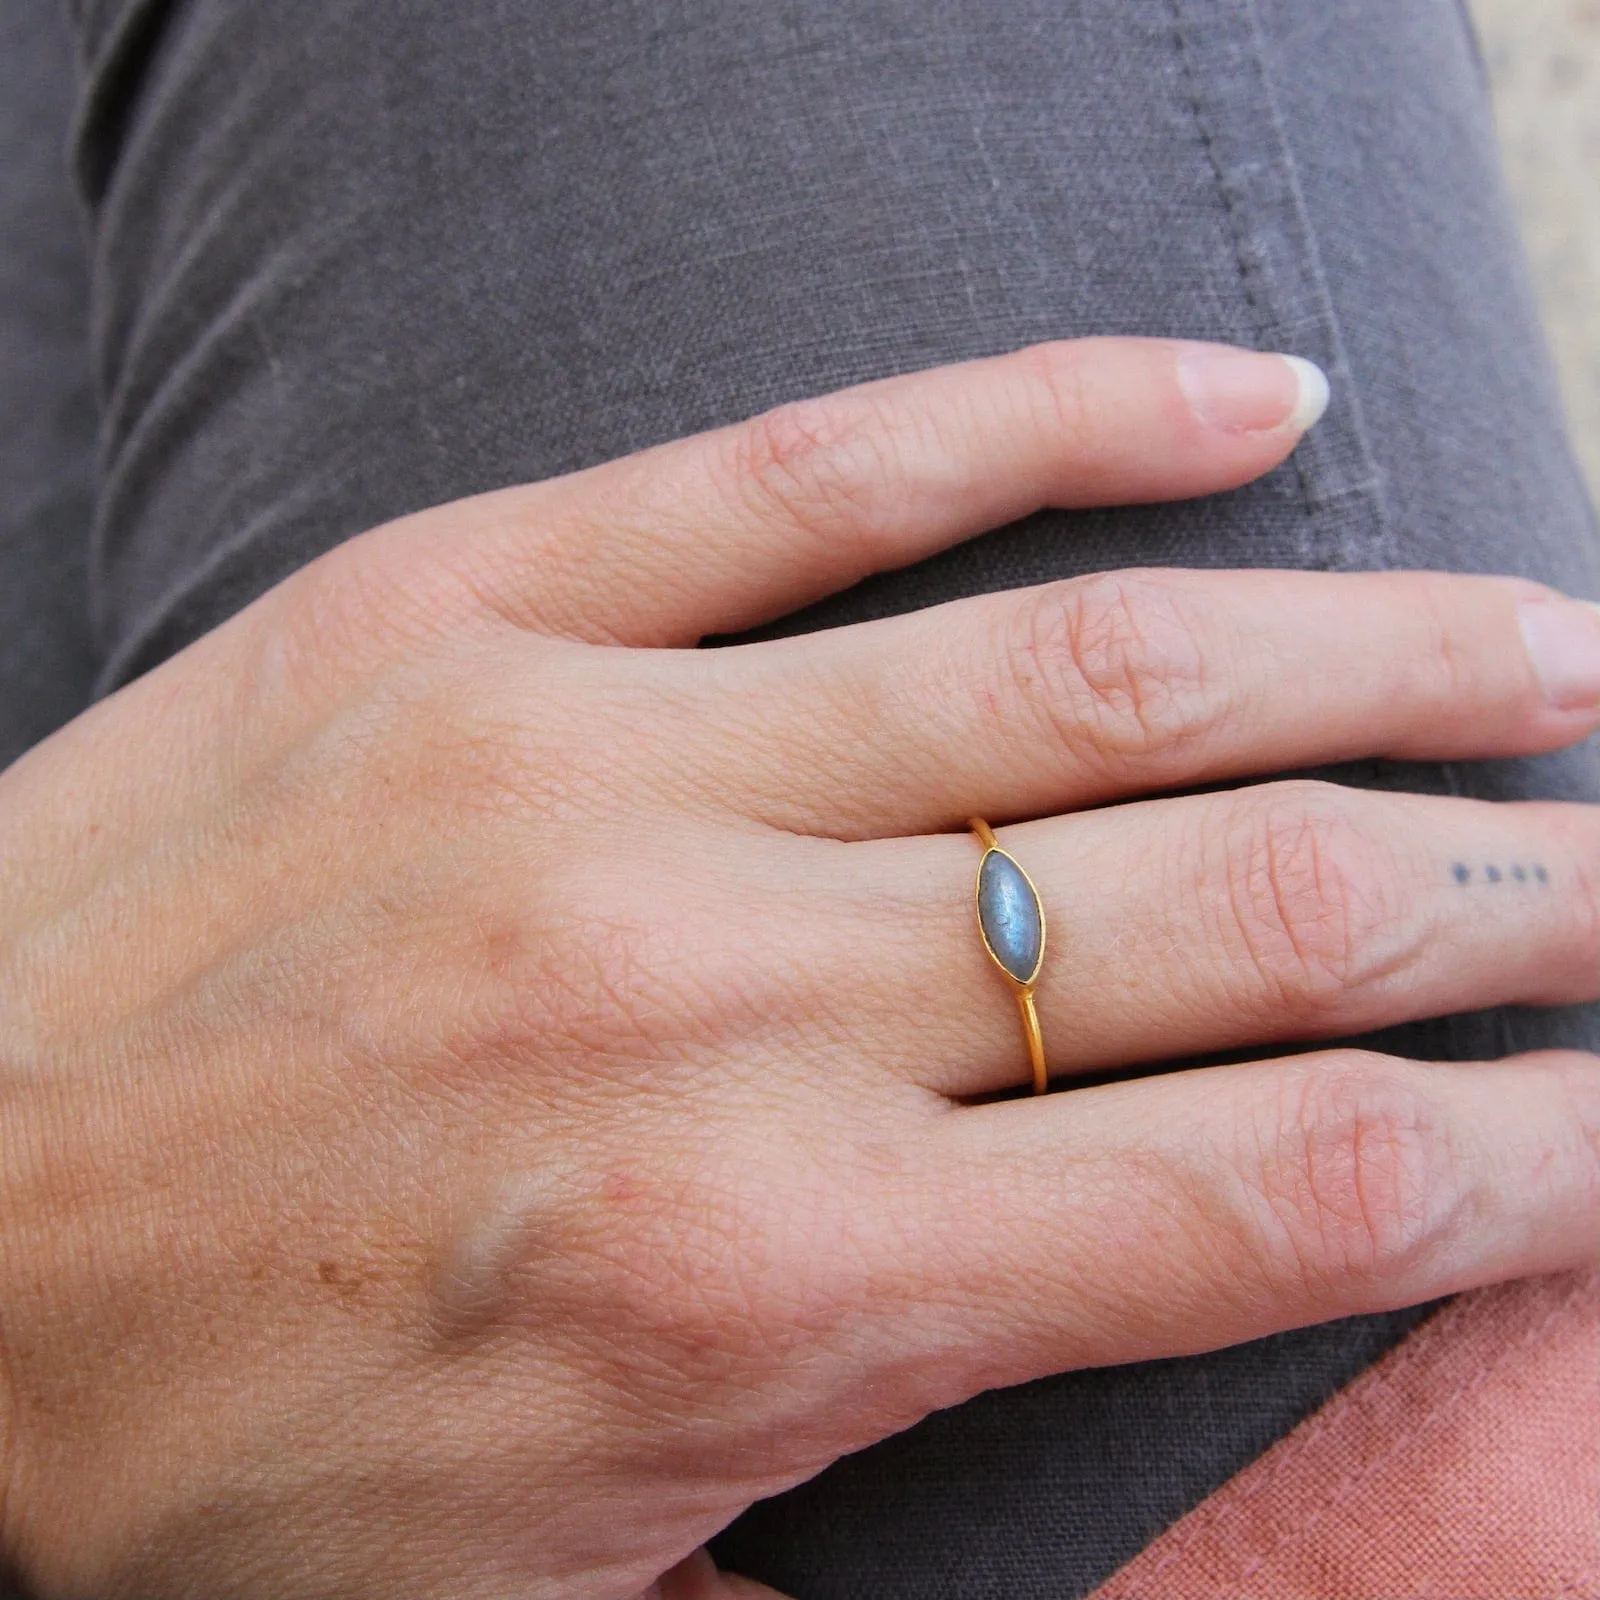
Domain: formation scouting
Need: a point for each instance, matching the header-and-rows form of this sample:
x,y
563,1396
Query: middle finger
x,y
1047,699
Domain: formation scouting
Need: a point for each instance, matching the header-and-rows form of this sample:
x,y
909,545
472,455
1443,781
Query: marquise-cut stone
x,y
1009,913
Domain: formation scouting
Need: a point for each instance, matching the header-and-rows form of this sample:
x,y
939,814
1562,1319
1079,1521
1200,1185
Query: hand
x,y
484,1088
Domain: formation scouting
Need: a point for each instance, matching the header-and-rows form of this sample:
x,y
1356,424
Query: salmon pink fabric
x,y
1465,1465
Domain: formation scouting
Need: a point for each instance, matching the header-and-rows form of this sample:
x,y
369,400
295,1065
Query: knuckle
x,y
453,742
722,1276
584,983
1357,1181
1061,371
1114,666
1307,920
676,1268
371,599
1445,670
822,467
589,977
672,1274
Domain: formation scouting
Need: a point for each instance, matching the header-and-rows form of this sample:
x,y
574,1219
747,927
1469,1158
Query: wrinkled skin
x,y
486,1090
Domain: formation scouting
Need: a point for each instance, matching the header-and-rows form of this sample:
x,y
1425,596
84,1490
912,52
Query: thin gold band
x,y
1030,1029
1021,986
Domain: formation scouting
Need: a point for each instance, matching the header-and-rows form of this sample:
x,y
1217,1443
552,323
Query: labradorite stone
x,y
1008,910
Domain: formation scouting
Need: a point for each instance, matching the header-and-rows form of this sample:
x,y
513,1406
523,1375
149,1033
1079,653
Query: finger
x,y
1293,910
1204,1208
1088,690
729,528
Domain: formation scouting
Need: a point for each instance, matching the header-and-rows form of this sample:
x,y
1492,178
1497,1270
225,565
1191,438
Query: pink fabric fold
x,y
1465,1465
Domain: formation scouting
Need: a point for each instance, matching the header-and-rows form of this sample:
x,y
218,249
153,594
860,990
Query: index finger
x,y
728,529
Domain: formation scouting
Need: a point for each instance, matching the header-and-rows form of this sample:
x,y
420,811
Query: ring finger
x,y
1289,910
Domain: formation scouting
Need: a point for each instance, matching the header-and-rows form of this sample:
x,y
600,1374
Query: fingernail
x,y
1563,641
1244,391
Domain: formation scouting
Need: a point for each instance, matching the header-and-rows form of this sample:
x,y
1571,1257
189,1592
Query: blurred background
x,y
1543,58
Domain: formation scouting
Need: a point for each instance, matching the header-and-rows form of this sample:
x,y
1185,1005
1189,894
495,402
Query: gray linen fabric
x,y
353,259
47,414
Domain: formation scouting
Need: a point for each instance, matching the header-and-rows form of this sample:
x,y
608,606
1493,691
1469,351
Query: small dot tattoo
x,y
1492,874
1541,875
1519,872
1461,872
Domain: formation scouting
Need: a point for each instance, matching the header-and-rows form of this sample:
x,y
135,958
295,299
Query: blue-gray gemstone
x,y
1008,912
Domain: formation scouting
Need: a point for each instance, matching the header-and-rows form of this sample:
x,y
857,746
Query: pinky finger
x,y
1202,1208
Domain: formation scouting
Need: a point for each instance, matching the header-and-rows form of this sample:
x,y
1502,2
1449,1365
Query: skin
x,y
487,1090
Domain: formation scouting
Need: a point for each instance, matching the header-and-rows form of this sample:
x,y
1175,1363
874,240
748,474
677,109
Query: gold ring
x,y
1011,921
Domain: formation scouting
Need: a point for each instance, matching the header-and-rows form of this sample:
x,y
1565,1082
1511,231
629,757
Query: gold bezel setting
x,y
1021,988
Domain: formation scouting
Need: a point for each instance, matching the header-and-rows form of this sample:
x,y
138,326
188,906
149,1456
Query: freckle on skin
x,y
329,1273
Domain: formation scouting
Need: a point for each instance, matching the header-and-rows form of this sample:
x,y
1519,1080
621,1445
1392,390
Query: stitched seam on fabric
x,y
1256,223
1378,1383
1370,484
1361,489
1232,207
